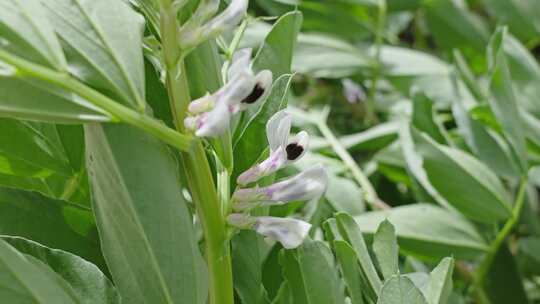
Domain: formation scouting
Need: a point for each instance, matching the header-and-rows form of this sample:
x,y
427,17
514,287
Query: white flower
x,y
308,185
194,32
214,111
283,149
210,124
291,233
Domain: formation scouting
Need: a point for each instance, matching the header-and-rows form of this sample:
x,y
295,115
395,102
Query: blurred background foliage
x,y
366,70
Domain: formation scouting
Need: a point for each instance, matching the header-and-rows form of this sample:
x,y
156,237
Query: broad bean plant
x,y
184,151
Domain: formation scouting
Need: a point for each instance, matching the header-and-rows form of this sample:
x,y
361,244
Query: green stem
x,y
115,109
485,266
197,167
371,116
369,192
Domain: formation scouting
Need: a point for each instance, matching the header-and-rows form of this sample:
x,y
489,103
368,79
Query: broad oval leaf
x,y
440,284
350,271
400,290
386,249
88,282
103,44
428,231
53,223
25,279
145,228
311,273
466,183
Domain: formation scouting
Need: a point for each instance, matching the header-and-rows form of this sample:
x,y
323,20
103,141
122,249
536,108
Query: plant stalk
x,y
195,163
371,116
370,194
118,111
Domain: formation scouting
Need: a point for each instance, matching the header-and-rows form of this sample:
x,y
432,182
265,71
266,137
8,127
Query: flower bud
x,y
210,124
228,19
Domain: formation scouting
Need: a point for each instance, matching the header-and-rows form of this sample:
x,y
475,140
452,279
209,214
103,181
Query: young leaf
x,y
89,284
311,274
351,233
428,231
439,286
423,117
466,183
503,99
350,270
135,185
27,280
276,52
103,43
386,249
400,290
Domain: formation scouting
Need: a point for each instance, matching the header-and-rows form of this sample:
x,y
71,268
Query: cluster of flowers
x,y
308,185
210,116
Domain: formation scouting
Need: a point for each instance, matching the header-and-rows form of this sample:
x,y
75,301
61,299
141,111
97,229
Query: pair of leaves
x,y
101,46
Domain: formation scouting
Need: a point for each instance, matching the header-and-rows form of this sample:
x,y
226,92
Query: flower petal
x,y
278,128
289,232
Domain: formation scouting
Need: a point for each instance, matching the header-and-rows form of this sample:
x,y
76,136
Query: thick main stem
x,y
195,162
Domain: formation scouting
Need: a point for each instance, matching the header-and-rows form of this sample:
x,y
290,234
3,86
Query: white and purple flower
x,y
283,149
211,114
290,232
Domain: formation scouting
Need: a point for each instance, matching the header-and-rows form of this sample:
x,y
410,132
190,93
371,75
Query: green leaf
x,y
528,254
424,119
277,50
350,271
428,232
439,286
135,185
27,33
53,223
344,195
25,151
325,56
386,249
520,15
311,274
466,183
504,283
453,25
26,98
27,280
488,146
247,270
87,281
374,138
351,233
400,290
103,43
503,100
252,139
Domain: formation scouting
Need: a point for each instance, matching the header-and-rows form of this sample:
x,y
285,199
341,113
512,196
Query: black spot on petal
x,y
293,151
257,92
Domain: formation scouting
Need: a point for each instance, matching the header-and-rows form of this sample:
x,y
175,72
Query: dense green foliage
x,y
145,154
